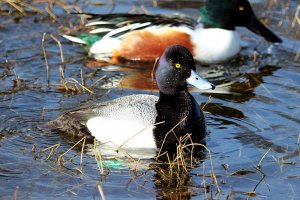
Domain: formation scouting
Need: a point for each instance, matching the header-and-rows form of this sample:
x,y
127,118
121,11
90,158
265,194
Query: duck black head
x,y
175,69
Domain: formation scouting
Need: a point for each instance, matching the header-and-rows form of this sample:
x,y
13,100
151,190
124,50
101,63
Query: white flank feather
x,y
122,133
126,28
74,39
99,23
100,30
103,48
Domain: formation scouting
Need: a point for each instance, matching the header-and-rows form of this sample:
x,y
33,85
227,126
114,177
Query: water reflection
x,y
220,110
260,142
226,116
240,82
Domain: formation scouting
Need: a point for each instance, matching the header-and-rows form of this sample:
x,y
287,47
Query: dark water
x,y
257,117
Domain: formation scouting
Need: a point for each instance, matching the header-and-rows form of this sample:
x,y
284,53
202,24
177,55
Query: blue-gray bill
x,y
199,82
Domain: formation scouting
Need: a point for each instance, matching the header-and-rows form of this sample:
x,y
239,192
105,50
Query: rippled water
x,y
255,121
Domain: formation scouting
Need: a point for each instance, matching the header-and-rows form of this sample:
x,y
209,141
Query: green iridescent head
x,y
228,14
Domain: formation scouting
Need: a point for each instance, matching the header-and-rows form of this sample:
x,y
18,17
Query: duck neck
x,y
178,112
176,94
169,88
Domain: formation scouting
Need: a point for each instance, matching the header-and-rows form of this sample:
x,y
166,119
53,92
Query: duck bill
x,y
257,27
199,82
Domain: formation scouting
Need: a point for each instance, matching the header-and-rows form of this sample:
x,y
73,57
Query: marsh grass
x,y
171,169
288,19
54,153
44,7
188,155
69,85
18,84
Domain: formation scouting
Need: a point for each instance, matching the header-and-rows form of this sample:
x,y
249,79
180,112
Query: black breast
x,y
181,115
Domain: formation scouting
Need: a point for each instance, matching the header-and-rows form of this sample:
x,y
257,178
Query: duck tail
x,y
68,125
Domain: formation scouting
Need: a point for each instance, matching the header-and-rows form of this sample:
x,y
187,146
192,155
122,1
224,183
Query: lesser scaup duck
x,y
119,38
143,121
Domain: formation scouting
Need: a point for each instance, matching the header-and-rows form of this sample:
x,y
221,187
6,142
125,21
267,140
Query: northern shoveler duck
x,y
144,121
119,38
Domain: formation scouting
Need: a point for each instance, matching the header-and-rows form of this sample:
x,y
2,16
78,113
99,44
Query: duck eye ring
x,y
177,65
241,8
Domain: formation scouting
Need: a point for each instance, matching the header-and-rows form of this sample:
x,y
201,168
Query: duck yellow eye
x,y
241,8
177,65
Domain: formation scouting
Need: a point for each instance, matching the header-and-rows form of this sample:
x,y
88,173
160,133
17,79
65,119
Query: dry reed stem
x,y
20,5
101,192
259,165
136,162
61,70
61,75
81,154
255,57
154,3
72,80
46,59
172,130
153,71
52,151
70,190
263,175
51,147
211,163
138,133
204,182
60,48
31,7
68,7
60,158
17,7
16,193
209,100
81,77
98,158
296,17
256,186
99,79
50,12
33,148
181,159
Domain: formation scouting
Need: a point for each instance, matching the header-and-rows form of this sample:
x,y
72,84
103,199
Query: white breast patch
x,y
215,45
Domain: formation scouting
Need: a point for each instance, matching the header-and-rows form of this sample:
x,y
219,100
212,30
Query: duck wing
x,y
140,108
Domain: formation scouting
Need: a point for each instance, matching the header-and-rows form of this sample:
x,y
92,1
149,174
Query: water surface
x,y
255,117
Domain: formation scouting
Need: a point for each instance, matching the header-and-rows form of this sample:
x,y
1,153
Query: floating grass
x,y
53,148
60,159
